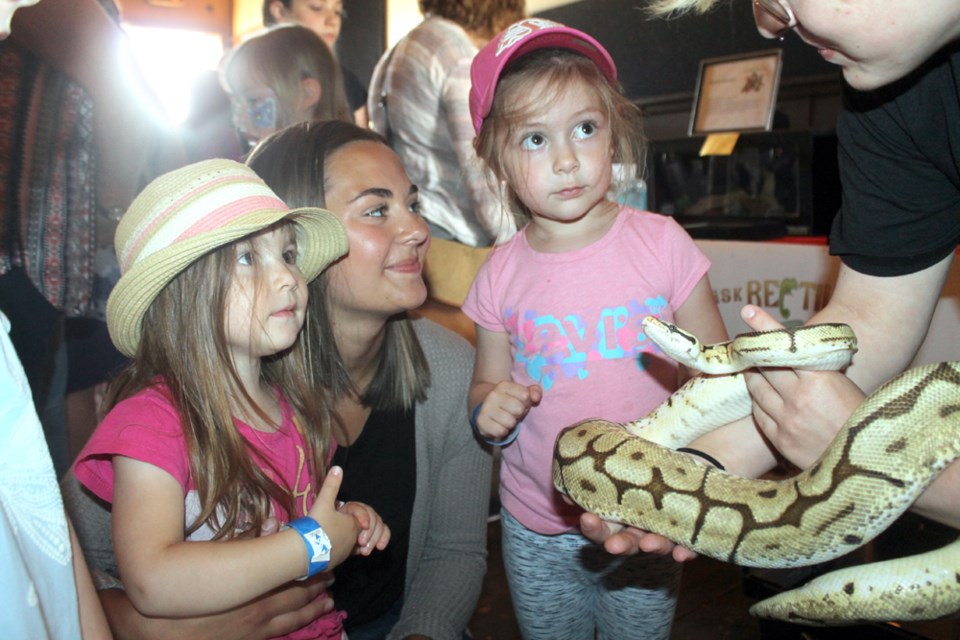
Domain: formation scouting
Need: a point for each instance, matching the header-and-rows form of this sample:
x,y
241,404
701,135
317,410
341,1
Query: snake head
x,y
676,343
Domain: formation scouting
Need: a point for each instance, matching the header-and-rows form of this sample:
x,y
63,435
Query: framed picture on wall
x,y
736,93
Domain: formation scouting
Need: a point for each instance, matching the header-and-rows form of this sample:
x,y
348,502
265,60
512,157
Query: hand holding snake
x,y
798,412
885,455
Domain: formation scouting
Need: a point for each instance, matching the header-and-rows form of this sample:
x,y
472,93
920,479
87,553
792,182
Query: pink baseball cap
x,y
517,40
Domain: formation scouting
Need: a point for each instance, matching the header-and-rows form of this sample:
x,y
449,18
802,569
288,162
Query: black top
x,y
379,469
354,88
899,155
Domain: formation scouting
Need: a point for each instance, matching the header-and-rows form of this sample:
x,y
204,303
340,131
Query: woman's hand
x,y
622,540
799,412
374,533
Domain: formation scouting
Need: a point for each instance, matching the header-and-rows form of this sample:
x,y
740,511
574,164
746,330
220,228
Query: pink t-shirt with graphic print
x,y
146,427
574,322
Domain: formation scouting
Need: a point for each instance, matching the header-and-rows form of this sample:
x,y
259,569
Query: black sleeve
x,y
356,92
898,155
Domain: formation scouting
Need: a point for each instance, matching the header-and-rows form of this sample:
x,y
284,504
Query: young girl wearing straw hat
x,y
398,384
213,429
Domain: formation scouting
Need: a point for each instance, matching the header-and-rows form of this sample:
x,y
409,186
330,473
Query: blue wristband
x,y
317,541
497,443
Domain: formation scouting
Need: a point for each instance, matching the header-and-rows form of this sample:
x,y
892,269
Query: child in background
x,y
284,75
213,429
325,18
558,310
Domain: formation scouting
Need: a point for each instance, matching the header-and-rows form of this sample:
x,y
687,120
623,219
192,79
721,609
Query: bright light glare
x,y
171,59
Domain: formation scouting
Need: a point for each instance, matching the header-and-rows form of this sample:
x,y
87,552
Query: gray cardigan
x,y
447,557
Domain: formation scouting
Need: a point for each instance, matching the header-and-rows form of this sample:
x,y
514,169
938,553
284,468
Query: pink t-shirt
x,y
146,427
574,325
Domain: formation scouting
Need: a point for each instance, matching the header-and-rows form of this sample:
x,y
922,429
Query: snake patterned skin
x,y
893,446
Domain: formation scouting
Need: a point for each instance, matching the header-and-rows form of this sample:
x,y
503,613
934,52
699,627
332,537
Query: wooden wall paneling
x,y
214,16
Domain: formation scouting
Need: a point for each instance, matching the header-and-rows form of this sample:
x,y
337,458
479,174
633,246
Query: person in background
x,y
558,310
399,385
419,102
208,130
79,135
47,588
325,18
281,76
896,232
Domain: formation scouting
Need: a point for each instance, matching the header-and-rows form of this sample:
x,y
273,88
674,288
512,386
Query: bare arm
x,y
360,117
700,316
798,413
167,576
801,411
505,403
93,621
277,613
890,316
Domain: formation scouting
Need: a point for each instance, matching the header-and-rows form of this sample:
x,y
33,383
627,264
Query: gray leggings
x,y
564,588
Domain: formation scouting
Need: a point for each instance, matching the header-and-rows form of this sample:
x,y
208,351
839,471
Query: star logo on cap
x,y
520,30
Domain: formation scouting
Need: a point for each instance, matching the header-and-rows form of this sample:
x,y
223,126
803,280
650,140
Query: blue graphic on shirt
x,y
550,346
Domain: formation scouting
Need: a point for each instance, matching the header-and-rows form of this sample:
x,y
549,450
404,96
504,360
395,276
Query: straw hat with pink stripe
x,y
191,211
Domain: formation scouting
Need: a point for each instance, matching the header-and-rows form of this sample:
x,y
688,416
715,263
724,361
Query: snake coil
x,y
893,446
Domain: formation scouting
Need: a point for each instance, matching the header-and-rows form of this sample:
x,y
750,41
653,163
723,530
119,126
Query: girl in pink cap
x,y
558,310
214,431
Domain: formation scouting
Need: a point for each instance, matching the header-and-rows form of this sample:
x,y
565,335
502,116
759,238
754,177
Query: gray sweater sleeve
x,y
92,522
448,553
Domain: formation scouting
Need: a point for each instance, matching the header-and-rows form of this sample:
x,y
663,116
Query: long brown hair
x,y
514,102
293,163
183,346
281,58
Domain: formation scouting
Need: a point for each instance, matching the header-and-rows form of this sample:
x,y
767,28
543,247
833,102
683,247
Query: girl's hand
x,y
342,528
374,533
505,406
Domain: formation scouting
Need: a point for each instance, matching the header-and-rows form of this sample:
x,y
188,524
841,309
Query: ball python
x,y
892,447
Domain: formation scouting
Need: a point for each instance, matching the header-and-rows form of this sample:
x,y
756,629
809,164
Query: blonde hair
x,y
183,346
281,58
678,7
515,102
293,163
